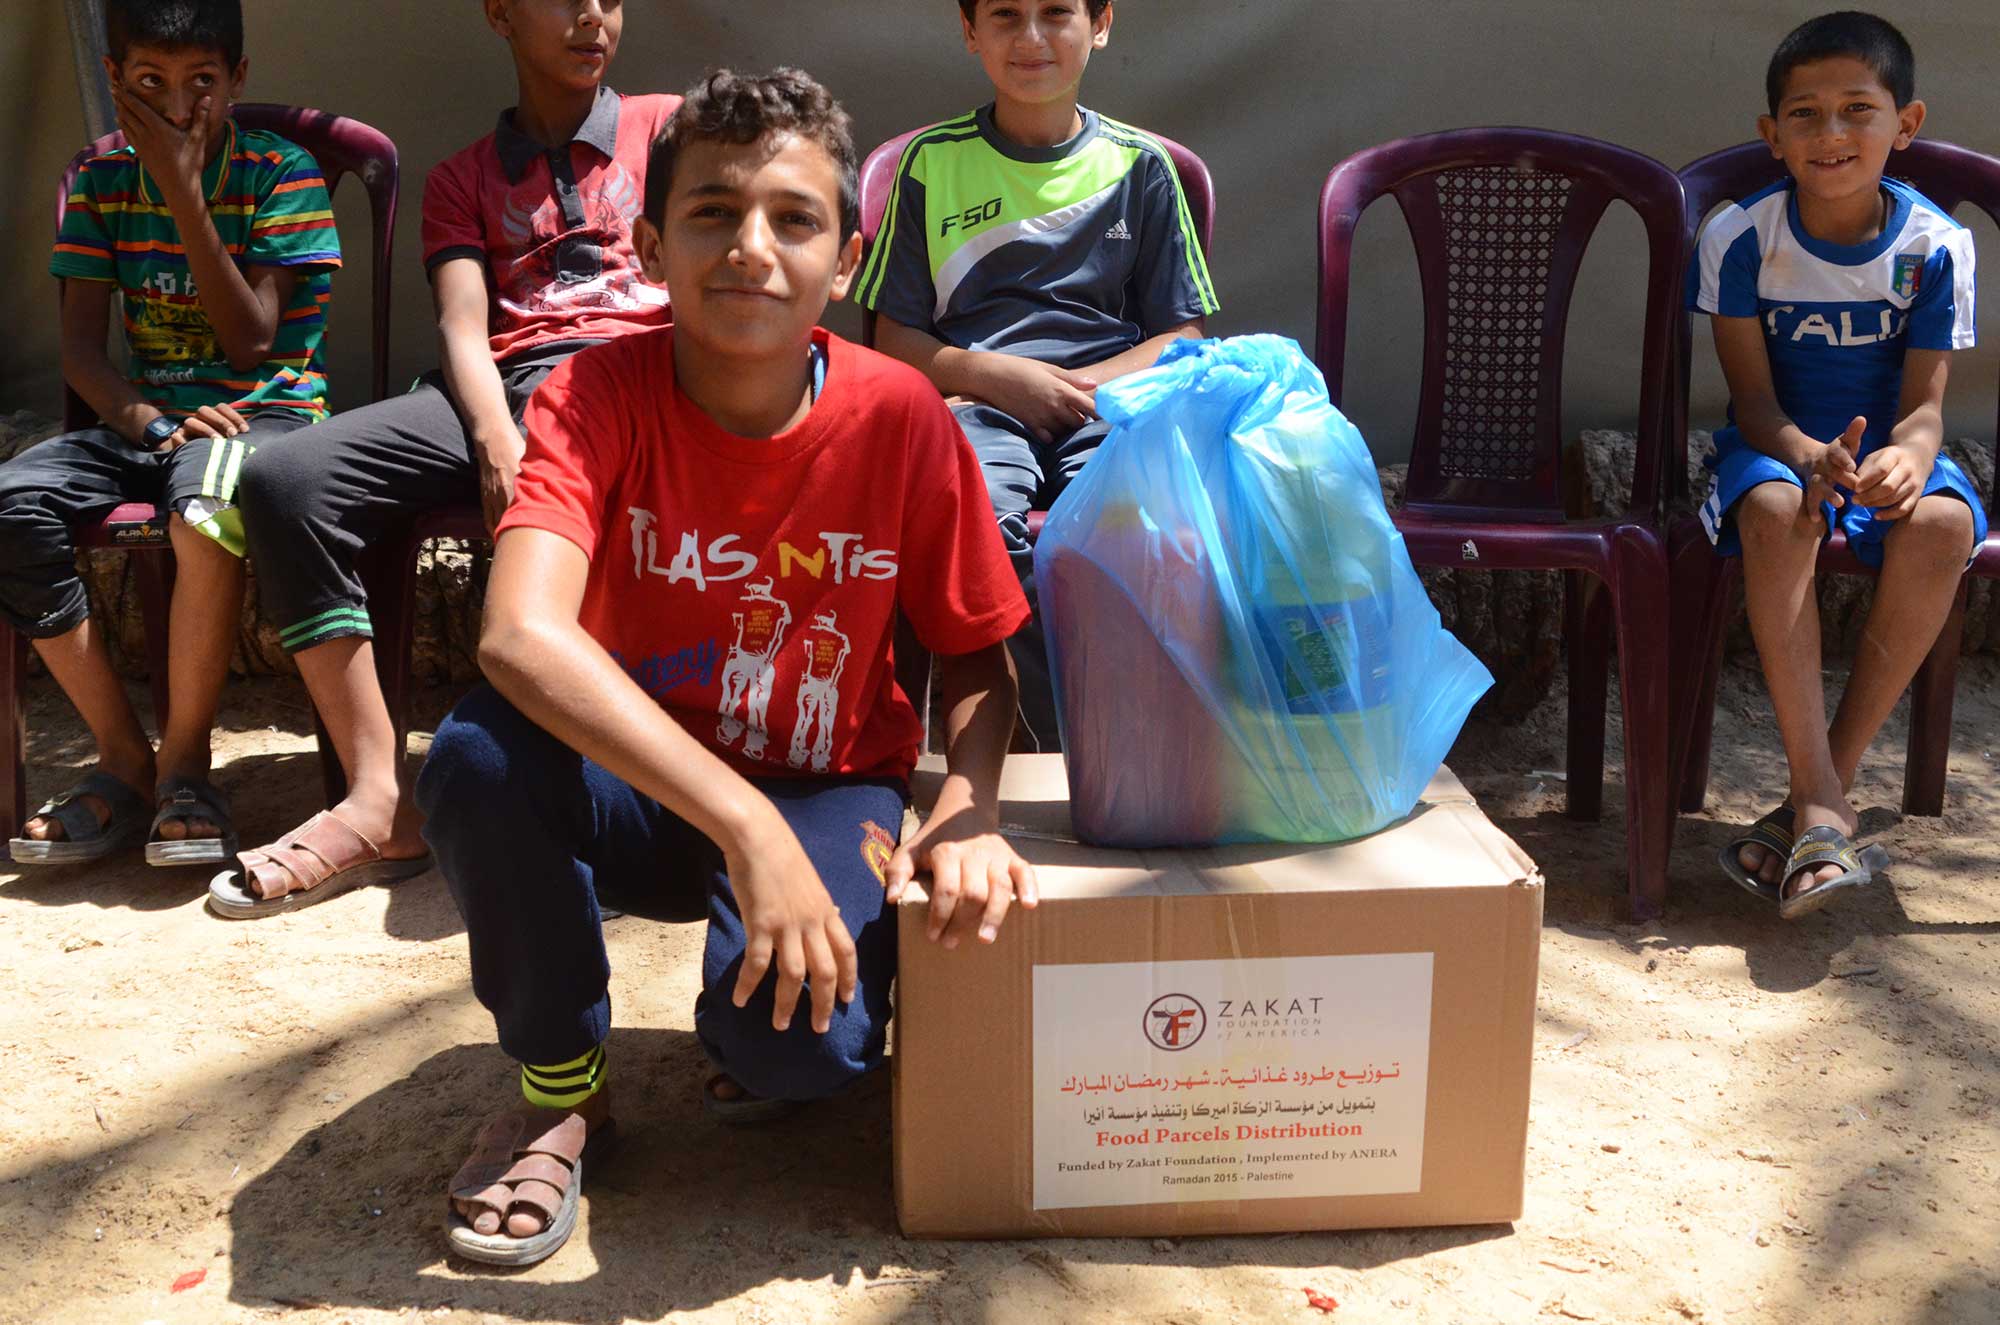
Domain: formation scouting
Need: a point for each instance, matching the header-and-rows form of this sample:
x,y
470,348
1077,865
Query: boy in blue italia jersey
x,y
1032,251
1837,297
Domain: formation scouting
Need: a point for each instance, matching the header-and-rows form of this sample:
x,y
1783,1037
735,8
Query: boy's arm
x,y
1891,480
458,286
535,652
1046,398
242,305
87,367
1145,354
88,370
975,873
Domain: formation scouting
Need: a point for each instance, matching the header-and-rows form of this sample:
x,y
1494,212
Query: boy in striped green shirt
x,y
220,242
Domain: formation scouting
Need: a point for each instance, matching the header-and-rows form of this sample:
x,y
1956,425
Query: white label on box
x,y
1230,1080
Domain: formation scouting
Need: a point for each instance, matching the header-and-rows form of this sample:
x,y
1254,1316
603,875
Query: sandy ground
x,y
1735,1119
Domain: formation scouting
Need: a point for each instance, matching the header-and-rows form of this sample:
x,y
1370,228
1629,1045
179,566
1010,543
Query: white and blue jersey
x,y
1838,322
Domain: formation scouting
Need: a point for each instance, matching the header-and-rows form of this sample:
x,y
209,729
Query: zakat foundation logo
x,y
1174,1022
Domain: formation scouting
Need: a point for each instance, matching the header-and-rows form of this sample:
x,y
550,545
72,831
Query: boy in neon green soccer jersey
x,y
1032,251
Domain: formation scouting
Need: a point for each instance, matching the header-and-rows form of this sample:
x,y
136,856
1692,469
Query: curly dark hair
x,y
728,107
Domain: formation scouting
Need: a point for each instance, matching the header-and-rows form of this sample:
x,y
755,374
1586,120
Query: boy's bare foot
x,y
134,768
390,822
516,1207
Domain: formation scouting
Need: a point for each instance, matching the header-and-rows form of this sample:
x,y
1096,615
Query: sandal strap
x,y
309,855
544,1199
259,871
516,1150
79,821
1773,832
182,799
1822,846
538,1168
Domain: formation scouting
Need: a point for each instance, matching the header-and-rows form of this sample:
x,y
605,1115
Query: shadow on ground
x,y
685,1214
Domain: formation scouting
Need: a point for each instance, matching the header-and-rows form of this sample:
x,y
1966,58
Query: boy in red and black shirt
x,y
528,242
687,633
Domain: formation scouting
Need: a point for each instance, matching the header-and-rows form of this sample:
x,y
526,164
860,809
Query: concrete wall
x,y
1271,92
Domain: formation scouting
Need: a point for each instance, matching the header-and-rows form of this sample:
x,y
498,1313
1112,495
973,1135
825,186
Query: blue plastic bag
x,y
1242,651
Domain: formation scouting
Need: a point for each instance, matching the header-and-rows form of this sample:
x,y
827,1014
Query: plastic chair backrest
x,y
1949,175
1500,219
341,146
878,181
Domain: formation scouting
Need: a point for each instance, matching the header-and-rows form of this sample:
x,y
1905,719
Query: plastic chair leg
x,y
1703,588
1930,716
13,733
1587,643
154,571
1638,590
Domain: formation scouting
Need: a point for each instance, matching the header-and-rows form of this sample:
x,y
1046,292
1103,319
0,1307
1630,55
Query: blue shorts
x,y
1739,467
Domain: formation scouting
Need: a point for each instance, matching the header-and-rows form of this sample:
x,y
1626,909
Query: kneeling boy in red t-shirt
x,y
687,634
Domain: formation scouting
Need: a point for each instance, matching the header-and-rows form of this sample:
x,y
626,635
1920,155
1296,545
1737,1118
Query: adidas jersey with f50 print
x,y
1068,254
1839,319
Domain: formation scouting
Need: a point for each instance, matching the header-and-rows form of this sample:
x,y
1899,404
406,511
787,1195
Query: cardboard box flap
x,y
1444,842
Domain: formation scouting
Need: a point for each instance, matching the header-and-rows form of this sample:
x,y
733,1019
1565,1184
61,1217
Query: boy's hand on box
x,y
175,157
976,876
1891,481
790,922
1048,399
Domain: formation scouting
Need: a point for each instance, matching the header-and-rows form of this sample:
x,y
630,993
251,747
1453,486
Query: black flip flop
x,y
1826,845
1773,832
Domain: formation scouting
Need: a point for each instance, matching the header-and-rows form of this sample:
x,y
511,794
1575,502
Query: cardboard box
x,y
1223,1040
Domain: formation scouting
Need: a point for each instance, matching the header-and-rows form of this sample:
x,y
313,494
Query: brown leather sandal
x,y
528,1160
321,858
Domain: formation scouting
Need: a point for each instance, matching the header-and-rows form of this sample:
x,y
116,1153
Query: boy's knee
x,y
1940,528
1771,511
485,752
275,480
795,1064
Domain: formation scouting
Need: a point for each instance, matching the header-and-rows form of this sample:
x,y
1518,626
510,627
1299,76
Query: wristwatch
x,y
159,430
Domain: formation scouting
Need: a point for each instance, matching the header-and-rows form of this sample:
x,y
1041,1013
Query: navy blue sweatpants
x,y
530,835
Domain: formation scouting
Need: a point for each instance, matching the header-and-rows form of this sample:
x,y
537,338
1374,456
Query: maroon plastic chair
x,y
1704,585
878,182
341,146
1500,219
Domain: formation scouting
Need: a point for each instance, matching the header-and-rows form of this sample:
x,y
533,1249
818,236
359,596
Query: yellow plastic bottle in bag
x,y
1314,679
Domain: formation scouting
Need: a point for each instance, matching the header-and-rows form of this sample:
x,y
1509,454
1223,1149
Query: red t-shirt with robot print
x,y
751,585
